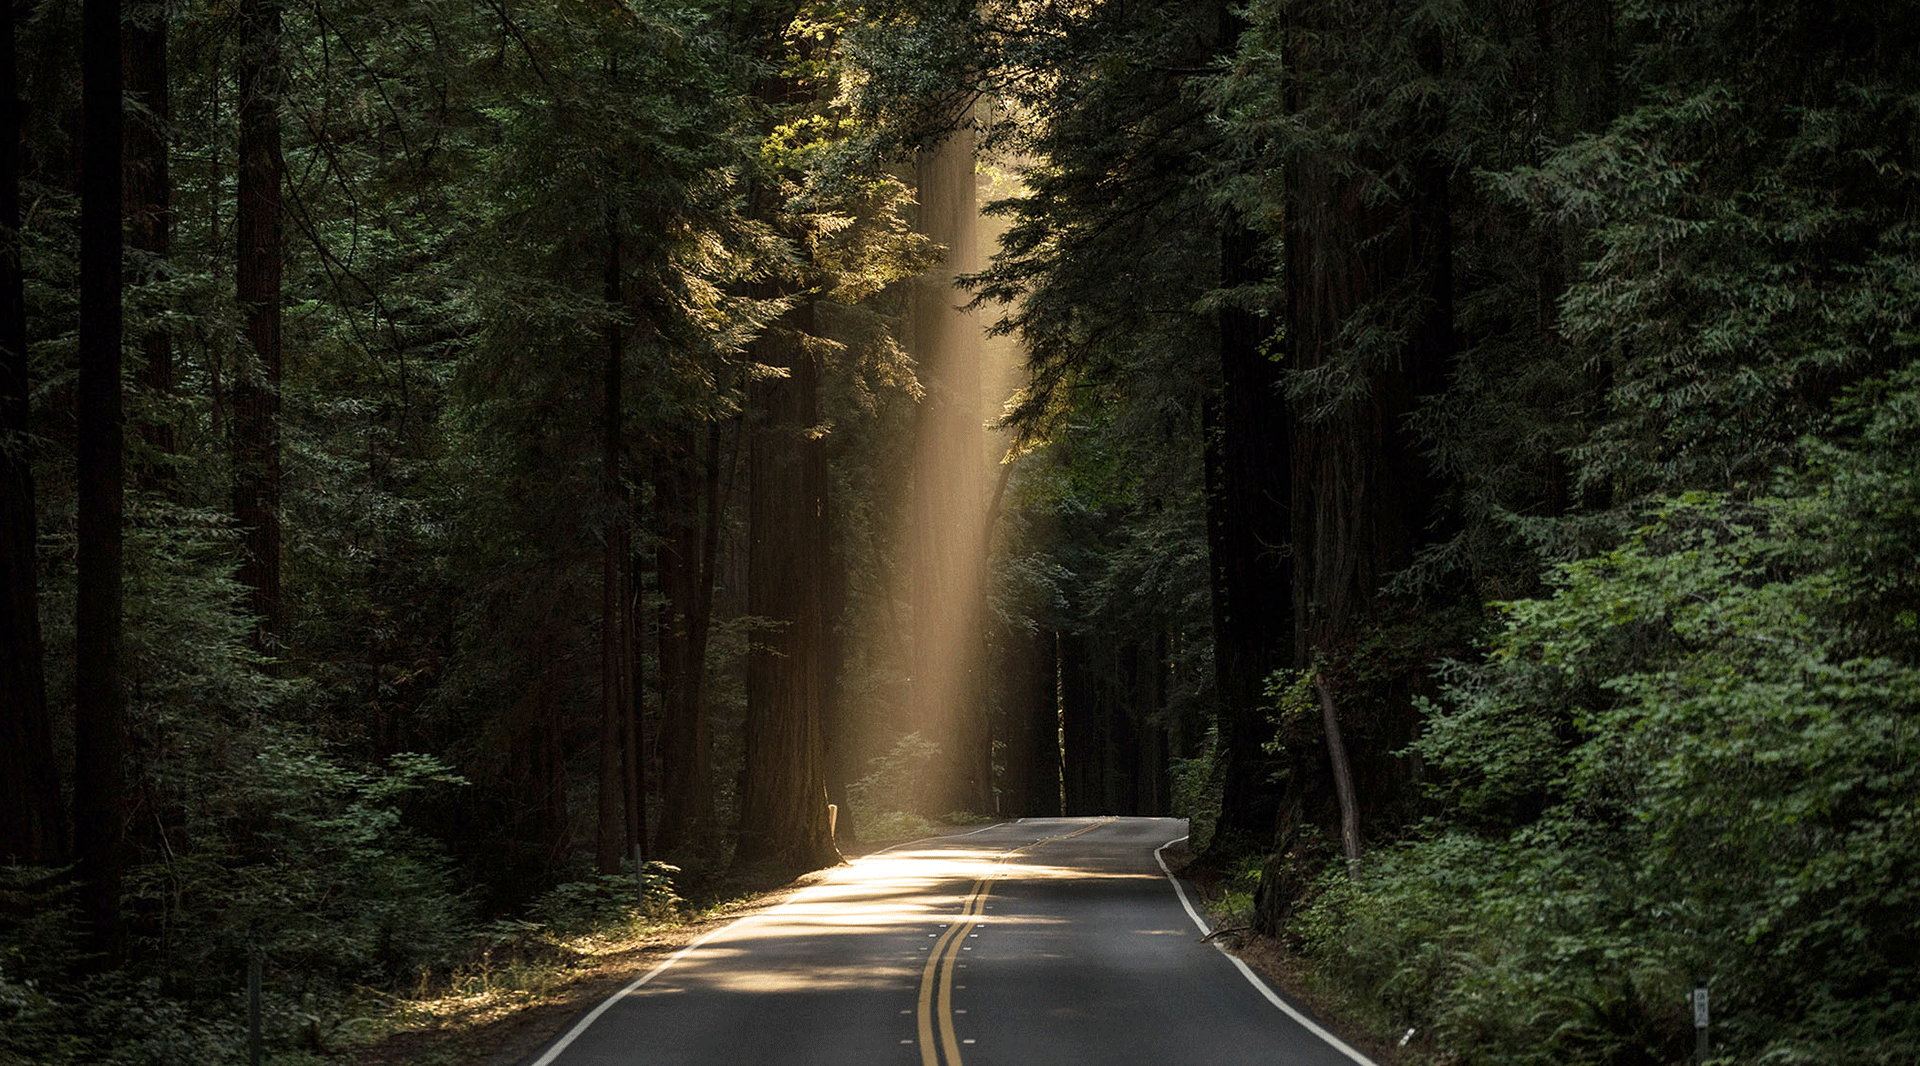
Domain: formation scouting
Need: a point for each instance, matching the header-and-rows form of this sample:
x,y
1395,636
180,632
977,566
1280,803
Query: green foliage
x,y
897,781
1679,449
1522,952
896,825
308,863
606,900
1239,893
1195,785
1704,744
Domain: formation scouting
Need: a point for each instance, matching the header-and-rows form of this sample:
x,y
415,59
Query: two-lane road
x,y
1030,943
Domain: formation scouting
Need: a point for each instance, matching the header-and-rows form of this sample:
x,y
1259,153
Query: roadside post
x,y
1700,1020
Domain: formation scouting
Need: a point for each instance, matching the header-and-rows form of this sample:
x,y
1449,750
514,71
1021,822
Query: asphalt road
x,y
1030,943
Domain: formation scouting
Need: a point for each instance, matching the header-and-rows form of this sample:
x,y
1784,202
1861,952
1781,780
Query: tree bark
x,y
1041,711
1362,495
1079,729
633,735
258,265
682,566
1248,445
783,800
616,666
1361,488
32,816
783,816
99,792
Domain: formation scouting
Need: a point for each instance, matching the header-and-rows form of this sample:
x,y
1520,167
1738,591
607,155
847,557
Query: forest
x,y
1463,455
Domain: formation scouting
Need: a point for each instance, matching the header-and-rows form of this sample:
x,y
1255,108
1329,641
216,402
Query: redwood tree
x,y
783,796
258,266
32,822
100,699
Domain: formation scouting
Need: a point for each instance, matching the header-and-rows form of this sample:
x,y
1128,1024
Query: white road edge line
x,y
1247,971
561,1045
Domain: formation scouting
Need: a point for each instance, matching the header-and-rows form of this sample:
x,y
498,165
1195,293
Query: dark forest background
x,y
1466,460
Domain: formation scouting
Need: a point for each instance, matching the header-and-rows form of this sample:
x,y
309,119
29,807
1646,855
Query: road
x,y
1029,943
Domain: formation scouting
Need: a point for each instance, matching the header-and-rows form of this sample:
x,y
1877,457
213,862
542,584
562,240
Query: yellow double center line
x,y
936,979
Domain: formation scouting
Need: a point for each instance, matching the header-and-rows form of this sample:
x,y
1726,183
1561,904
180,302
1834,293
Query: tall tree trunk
x,y
1247,442
616,666
99,793
149,211
1361,492
949,560
1248,439
783,816
1079,728
839,727
633,736
258,264
783,793
680,561
1360,486
535,780
1038,715
32,818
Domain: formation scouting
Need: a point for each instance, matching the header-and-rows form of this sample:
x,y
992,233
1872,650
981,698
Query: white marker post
x,y
1700,1020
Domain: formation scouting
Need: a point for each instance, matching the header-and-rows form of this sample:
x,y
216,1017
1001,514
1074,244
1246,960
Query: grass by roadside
x,y
497,1011
1226,896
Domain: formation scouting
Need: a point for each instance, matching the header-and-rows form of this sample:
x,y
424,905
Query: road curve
x,y
1031,943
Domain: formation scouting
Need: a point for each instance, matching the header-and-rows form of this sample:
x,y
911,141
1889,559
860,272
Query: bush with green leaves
x,y
896,781
606,900
1697,756
1195,786
308,863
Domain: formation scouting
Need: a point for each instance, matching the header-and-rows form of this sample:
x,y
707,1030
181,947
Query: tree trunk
x,y
99,793
1079,728
32,818
1361,488
838,724
616,666
681,563
783,815
633,735
535,779
1248,442
256,392
1361,492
